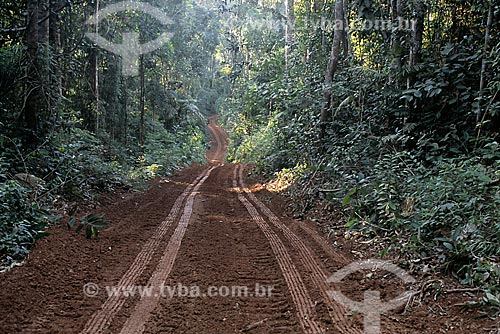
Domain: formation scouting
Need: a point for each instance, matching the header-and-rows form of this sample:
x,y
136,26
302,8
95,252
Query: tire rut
x,y
309,261
101,319
303,302
225,248
136,322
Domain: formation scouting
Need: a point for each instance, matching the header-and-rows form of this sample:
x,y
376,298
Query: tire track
x,y
318,275
327,248
218,155
102,318
275,310
300,295
142,311
223,247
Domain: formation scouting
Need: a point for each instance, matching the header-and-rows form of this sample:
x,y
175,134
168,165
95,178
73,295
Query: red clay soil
x,y
227,255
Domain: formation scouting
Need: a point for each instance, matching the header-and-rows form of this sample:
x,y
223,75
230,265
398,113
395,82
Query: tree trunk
x,y
482,78
142,101
44,60
91,117
332,66
43,21
417,32
111,91
31,109
396,48
90,112
55,42
123,115
290,18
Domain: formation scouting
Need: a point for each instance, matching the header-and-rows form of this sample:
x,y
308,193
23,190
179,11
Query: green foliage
x,y
76,165
448,209
167,151
409,152
90,223
258,146
21,222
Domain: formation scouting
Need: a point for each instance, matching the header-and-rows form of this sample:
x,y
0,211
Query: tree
x,y
289,16
396,47
32,91
142,99
418,26
482,77
332,66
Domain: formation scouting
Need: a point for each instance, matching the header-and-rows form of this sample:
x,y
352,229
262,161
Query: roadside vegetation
x,y
73,127
395,129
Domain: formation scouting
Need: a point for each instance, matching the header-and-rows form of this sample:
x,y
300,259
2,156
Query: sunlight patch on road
x,y
285,178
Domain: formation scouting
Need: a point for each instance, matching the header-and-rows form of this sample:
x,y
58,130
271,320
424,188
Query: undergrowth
x,y
75,165
443,210
432,193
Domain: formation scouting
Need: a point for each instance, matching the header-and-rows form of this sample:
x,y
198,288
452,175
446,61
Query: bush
x,y
76,165
449,209
21,222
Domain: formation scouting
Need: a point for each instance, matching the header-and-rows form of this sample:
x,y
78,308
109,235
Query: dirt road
x,y
201,252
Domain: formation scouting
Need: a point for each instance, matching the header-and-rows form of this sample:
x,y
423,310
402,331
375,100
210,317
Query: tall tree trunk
x,y
123,115
91,117
396,48
417,32
55,42
346,40
90,112
44,59
96,72
31,109
482,78
43,21
290,18
112,93
332,66
142,101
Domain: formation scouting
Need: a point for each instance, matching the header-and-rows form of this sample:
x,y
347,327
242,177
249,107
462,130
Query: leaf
x,y
95,232
448,245
70,222
491,299
351,223
348,196
55,219
88,232
484,178
80,227
91,218
101,223
42,234
73,209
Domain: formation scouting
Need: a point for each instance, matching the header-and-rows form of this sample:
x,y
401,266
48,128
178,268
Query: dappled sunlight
x,y
285,178
177,183
254,188
278,185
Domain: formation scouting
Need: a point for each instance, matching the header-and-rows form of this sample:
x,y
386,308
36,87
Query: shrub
x,y
21,222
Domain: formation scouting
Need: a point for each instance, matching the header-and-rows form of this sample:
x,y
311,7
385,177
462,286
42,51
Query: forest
x,y
385,113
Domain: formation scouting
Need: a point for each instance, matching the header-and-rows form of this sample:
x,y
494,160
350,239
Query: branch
x,y
67,3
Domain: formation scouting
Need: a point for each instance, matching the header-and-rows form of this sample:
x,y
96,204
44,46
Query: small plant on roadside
x,y
91,223
22,221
